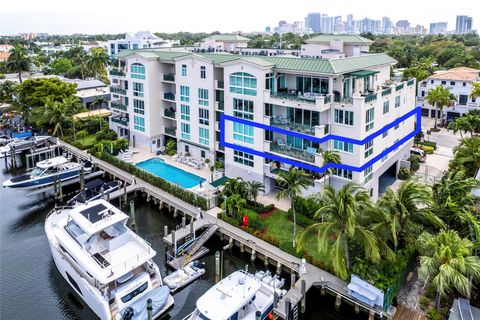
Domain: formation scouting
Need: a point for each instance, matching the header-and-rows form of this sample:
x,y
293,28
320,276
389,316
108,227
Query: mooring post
x,y
125,193
165,230
102,192
6,162
217,266
132,214
184,222
174,244
292,279
279,267
192,232
60,191
13,158
149,308
258,315
288,308
275,299
303,291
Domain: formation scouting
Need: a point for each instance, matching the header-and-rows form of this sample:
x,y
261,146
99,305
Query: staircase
x,y
199,242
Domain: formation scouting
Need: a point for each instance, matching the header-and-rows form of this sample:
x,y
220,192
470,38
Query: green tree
x,y
439,97
475,93
97,61
447,261
61,66
402,215
7,90
82,134
467,156
292,183
468,123
19,61
330,156
341,224
252,189
235,204
235,186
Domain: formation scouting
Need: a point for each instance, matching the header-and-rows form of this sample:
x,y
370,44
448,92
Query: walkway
x,y
404,313
269,198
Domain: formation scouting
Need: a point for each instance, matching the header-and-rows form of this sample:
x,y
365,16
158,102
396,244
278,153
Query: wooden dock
x,y
405,313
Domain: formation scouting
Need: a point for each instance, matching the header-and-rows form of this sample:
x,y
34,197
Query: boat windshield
x,y
37,172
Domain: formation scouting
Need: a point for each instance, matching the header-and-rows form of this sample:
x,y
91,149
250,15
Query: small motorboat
x,y
93,191
25,143
47,172
184,276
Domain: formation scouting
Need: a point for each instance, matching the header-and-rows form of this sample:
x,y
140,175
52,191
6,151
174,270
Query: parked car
x,y
418,152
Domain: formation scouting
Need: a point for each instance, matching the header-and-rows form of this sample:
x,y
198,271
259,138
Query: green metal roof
x,y
347,38
218,58
365,61
301,64
228,37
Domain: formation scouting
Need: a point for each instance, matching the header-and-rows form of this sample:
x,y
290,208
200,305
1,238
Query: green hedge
x,y
403,174
259,207
301,219
430,144
166,186
306,206
254,221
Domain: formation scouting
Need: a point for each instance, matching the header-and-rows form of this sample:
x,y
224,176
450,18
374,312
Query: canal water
x,y
32,288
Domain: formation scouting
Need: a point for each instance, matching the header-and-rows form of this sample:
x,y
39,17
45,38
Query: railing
x,y
386,92
169,77
172,131
294,97
117,72
118,90
399,87
130,263
348,100
292,152
410,82
169,113
371,97
326,99
169,96
118,105
290,125
122,121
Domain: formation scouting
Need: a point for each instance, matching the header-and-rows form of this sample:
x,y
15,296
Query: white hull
x,y
41,185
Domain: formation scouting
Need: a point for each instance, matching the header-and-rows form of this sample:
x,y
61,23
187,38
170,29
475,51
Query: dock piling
x,y
288,308
165,230
338,301
184,222
303,291
192,231
82,178
279,268
217,266
132,214
258,315
292,280
252,257
174,244
149,309
275,300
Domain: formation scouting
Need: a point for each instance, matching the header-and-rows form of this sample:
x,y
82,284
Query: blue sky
x,y
107,16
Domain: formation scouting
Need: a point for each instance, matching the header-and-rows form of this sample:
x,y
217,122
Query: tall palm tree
x,y
475,93
448,261
18,61
235,186
467,156
439,97
454,203
403,214
253,188
292,183
341,223
97,60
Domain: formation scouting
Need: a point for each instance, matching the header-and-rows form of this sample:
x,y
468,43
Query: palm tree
x,y
454,203
475,93
235,186
439,97
18,61
292,184
403,214
235,204
448,261
253,188
467,156
341,223
7,90
58,113
97,60
330,156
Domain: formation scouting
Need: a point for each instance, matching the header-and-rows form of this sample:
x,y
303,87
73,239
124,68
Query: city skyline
x,y
52,17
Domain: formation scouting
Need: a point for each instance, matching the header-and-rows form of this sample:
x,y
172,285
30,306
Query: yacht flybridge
x,y
106,263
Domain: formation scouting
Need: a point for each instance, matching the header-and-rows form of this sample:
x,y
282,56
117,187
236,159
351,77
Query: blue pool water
x,y
170,173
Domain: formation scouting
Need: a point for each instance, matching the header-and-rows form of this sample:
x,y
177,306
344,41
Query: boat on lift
x,y
184,276
25,143
93,191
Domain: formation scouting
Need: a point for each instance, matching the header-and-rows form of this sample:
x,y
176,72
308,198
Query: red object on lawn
x,y
245,221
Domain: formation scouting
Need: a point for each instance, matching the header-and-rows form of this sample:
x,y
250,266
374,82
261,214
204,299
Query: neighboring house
x,y
90,90
4,56
139,40
459,81
224,43
162,95
5,47
335,46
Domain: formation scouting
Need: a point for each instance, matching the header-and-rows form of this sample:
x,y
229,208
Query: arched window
x,y
137,71
243,83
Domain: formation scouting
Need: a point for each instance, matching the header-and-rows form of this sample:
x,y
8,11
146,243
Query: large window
x,y
347,174
203,136
243,158
138,106
203,72
137,88
368,149
343,146
203,97
243,108
242,132
139,123
369,119
137,71
309,84
185,131
462,99
203,116
243,83
184,93
184,70
367,173
343,117
185,112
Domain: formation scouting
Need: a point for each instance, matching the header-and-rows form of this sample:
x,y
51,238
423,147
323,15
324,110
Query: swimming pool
x,y
170,173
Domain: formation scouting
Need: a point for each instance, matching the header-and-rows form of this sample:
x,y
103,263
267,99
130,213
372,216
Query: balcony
x,y
220,105
120,120
118,90
399,87
170,131
291,152
169,77
169,96
117,72
169,113
119,106
370,98
219,84
410,82
284,123
312,102
386,92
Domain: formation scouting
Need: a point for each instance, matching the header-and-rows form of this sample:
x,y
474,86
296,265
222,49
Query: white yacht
x,y
25,143
237,297
107,264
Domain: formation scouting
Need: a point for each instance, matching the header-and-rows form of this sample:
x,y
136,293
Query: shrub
x,y
229,220
171,147
403,174
259,207
301,219
306,206
254,221
106,134
424,302
2,76
431,292
219,165
427,149
430,144
433,314
414,163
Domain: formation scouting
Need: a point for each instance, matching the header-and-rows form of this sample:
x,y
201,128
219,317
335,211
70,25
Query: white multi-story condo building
x,y
459,82
161,95
139,40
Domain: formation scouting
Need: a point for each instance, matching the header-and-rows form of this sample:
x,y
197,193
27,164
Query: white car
x,y
418,152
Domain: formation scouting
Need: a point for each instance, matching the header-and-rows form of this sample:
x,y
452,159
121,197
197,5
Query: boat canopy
x,y
53,162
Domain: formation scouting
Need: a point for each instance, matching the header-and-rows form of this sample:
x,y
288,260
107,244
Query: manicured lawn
x,y
88,140
280,227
